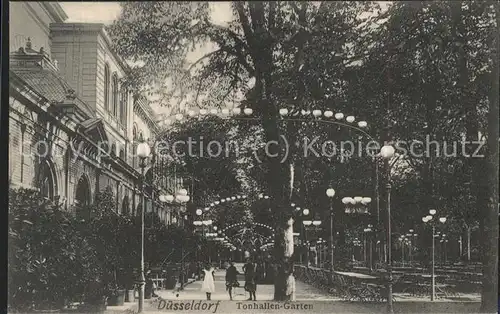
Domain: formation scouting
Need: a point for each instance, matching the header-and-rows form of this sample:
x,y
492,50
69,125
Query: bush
x,y
47,255
105,232
55,258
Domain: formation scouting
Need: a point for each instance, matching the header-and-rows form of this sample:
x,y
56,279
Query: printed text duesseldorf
x,y
188,305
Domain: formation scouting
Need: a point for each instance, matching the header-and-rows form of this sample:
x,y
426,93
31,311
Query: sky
x,y
107,12
91,12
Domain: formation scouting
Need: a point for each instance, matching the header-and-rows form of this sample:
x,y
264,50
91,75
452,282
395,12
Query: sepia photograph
x,y
252,156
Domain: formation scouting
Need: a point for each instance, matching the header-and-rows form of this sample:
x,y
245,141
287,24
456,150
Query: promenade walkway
x,y
308,300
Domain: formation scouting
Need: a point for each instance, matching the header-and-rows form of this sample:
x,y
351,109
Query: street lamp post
x,y
143,152
368,232
331,193
411,237
426,219
365,260
402,239
318,252
387,152
306,224
412,244
316,222
305,213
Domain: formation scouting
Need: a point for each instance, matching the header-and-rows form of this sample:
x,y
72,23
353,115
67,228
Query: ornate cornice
x,y
55,10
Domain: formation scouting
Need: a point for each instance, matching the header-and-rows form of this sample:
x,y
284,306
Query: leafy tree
x,y
267,41
424,69
437,59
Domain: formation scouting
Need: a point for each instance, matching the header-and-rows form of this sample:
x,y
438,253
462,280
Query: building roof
x,y
36,69
50,85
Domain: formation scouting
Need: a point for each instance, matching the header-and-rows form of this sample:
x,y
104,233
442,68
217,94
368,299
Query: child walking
x,y
208,285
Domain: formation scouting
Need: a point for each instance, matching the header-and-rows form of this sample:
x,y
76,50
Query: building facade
x,y
73,127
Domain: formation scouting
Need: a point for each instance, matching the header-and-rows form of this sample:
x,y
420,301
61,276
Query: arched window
x,y
114,95
123,106
122,154
134,133
106,87
82,198
125,206
113,149
46,181
134,145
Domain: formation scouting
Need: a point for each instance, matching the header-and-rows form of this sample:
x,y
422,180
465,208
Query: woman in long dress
x,y
208,285
250,285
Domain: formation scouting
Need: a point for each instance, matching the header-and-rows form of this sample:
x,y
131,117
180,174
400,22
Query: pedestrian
x,y
250,285
208,285
231,279
260,272
149,286
199,270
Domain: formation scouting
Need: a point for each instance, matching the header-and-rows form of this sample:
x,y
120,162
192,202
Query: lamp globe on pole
x,y
387,151
143,150
330,192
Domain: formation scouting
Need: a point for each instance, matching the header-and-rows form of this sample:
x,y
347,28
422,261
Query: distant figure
x,y
259,272
208,285
250,285
149,286
199,270
192,269
231,279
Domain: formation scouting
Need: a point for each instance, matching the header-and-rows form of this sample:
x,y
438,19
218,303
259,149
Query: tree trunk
x,y
489,294
283,246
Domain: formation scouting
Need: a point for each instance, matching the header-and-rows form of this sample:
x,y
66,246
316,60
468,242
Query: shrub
x,y
56,258
46,253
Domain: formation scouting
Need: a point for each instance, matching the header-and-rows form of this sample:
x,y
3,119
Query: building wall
x,y
29,138
76,56
29,19
81,51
